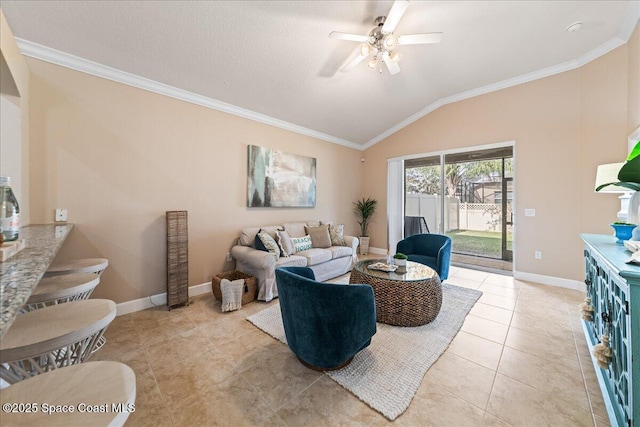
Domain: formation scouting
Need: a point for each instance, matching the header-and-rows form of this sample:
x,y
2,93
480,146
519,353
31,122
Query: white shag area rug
x,y
387,374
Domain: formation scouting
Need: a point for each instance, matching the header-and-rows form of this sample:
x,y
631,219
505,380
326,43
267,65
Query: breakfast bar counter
x,y
20,274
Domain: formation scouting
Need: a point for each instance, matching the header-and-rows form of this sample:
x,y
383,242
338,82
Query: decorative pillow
x,y
319,236
284,242
264,240
336,232
301,243
231,294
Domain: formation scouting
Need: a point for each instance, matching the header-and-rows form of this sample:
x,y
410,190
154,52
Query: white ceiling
x,y
274,57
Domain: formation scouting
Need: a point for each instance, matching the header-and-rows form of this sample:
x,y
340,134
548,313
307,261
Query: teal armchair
x,y
325,324
432,250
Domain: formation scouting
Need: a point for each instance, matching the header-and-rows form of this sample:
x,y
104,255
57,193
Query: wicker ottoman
x,y
412,298
250,291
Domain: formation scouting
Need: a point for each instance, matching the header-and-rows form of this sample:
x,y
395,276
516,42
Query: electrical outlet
x,y
529,212
60,230
61,215
538,255
229,258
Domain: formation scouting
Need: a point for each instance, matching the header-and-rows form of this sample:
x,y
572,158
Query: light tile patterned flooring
x,y
520,359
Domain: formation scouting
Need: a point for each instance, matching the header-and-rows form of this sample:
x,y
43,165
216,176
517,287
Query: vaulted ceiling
x,y
273,61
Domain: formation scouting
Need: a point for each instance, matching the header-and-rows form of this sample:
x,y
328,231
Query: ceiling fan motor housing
x,y
379,41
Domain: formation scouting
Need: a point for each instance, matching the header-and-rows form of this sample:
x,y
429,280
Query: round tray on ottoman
x,y
410,298
250,289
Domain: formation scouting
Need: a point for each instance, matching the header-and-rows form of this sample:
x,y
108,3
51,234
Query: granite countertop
x,y
20,274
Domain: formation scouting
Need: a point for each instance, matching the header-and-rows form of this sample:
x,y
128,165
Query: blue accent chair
x,y
325,324
432,250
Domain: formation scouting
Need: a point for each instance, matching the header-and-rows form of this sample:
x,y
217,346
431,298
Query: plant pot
x,y
400,262
623,231
364,245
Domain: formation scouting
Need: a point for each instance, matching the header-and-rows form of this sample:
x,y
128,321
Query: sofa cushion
x,y
319,236
265,242
301,243
315,256
284,241
248,235
291,261
295,229
340,251
336,232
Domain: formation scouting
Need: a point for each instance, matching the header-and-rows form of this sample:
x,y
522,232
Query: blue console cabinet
x,y
614,288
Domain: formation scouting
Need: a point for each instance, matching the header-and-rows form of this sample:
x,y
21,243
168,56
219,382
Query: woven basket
x,y
250,290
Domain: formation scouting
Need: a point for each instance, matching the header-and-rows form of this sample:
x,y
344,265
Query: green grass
x,y
484,243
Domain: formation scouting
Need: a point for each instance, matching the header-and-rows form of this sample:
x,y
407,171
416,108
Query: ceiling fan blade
x,y
353,62
396,12
347,36
393,67
420,38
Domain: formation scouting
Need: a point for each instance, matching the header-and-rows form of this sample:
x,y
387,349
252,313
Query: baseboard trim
x,y
378,251
157,300
205,288
550,280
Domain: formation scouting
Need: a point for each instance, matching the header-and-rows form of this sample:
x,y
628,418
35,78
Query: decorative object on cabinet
x,y
623,178
623,231
177,258
276,179
614,331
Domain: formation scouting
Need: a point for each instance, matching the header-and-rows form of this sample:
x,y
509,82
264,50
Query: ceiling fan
x,y
380,43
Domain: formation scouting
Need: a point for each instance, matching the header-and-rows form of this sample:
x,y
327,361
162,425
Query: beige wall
x,y
118,157
563,127
633,47
14,116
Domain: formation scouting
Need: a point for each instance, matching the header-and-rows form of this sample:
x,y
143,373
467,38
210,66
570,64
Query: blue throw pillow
x,y
258,243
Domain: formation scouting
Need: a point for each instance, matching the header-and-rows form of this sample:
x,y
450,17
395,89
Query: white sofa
x,y
326,263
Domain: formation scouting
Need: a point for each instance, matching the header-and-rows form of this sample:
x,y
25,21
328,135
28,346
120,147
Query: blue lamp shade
x,y
623,231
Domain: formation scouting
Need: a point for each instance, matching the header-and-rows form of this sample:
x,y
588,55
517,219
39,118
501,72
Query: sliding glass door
x,y
466,195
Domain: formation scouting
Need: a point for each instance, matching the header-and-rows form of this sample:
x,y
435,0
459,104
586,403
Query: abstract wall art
x,y
280,180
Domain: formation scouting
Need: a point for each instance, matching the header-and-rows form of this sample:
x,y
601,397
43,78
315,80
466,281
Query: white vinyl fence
x,y
458,216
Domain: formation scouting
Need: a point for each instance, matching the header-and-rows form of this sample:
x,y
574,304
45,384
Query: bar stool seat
x,y
89,385
60,289
74,266
53,337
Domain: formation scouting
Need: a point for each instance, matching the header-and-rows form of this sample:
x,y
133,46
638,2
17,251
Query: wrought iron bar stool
x,y
74,266
60,289
86,388
53,337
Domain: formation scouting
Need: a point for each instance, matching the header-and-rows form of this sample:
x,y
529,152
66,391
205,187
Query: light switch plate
x,y
529,212
61,215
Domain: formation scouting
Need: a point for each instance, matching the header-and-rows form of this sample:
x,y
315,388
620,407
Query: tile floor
x,y
520,359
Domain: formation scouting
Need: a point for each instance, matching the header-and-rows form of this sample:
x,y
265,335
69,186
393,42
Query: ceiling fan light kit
x,y
381,43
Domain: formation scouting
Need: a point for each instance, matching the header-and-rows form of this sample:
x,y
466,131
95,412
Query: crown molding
x,y
53,56
632,17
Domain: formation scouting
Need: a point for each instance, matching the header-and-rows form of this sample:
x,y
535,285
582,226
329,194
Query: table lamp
x,y
608,174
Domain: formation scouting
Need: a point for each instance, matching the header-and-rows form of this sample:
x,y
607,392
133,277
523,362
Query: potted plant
x,y
623,230
400,259
364,210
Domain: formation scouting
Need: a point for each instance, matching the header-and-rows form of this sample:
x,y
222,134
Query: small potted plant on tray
x,y
400,259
